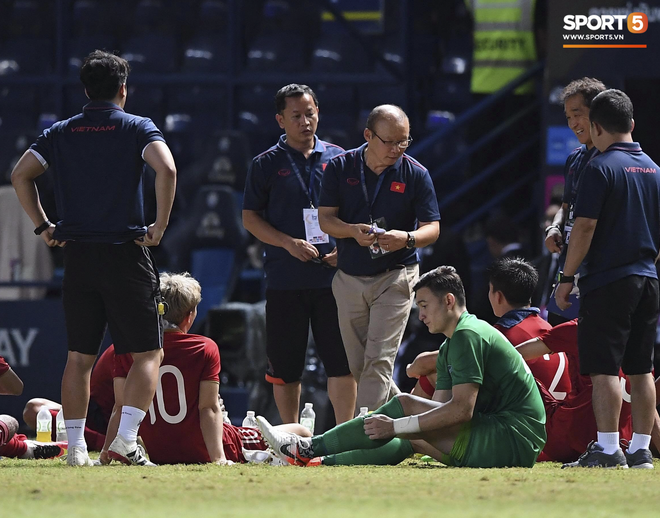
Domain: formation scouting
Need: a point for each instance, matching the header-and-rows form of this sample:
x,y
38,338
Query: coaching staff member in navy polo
x,y
380,205
617,235
280,209
110,279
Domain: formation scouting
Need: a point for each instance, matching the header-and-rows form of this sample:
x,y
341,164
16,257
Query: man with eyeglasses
x,y
380,204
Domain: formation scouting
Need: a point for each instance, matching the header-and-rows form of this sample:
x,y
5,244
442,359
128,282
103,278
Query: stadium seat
x,y
26,55
74,100
146,101
31,18
372,95
209,243
18,109
257,98
283,52
206,54
153,53
212,17
79,48
149,17
343,53
91,18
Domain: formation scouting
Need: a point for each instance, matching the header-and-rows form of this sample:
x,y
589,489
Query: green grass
x,y
414,488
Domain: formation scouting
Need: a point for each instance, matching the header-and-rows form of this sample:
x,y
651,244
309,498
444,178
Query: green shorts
x,y
498,440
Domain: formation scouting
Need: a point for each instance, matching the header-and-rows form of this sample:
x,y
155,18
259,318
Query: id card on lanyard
x,y
375,251
313,232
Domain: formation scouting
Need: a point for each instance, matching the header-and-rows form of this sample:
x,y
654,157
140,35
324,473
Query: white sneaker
x,y
131,454
289,447
77,456
43,450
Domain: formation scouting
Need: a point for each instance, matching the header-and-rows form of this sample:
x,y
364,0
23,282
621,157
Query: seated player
x,y
184,422
571,424
13,444
485,396
512,282
101,401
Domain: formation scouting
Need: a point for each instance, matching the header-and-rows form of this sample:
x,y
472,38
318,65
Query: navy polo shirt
x,y
621,189
405,197
273,188
96,159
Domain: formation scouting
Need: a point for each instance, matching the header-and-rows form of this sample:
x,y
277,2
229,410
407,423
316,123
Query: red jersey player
x,y
184,422
570,424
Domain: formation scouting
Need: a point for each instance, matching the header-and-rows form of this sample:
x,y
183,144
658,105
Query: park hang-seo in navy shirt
x,y
405,196
272,187
621,189
97,164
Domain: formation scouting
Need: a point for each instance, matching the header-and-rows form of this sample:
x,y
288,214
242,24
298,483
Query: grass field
x,y
414,488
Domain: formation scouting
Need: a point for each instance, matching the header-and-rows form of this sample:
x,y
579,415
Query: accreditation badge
x,y
313,232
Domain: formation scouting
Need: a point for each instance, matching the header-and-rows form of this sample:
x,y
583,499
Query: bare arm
x,y
581,236
331,224
532,349
423,364
113,423
256,225
554,239
426,233
159,157
11,384
210,420
23,177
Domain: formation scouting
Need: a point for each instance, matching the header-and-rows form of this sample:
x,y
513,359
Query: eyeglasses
x,y
401,144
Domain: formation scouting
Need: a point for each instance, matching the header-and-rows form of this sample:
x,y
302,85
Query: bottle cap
x,y
309,405
250,413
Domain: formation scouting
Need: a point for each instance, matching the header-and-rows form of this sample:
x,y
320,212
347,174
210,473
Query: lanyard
x,y
381,177
307,190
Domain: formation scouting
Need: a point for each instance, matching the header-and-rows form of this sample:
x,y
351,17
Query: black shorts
x,y
617,327
288,316
115,286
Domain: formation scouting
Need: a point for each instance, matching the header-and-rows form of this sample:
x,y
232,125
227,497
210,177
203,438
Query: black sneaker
x,y
595,458
641,459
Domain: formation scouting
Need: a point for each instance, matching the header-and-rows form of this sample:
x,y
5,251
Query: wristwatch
x,y
411,240
550,227
38,231
565,279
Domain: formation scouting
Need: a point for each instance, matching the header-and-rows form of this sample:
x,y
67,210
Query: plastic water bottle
x,y
60,427
308,417
363,411
250,421
225,417
44,425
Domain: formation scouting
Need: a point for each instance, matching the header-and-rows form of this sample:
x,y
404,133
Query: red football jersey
x,y
171,430
4,366
549,369
100,388
235,438
570,423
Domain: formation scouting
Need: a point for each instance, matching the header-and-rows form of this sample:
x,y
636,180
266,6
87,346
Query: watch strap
x,y
39,230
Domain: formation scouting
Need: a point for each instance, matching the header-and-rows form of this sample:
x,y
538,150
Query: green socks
x,y
350,435
393,452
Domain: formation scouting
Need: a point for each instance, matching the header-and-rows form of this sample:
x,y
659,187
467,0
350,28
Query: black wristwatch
x,y
565,279
411,240
41,228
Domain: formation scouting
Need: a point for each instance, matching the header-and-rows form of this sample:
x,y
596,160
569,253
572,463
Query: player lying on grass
x,y
184,422
485,396
13,444
99,409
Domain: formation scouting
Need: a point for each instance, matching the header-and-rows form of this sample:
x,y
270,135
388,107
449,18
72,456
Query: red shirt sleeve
x,y
211,370
122,365
562,338
4,366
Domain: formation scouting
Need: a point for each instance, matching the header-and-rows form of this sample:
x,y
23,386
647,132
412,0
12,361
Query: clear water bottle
x,y
60,427
363,411
44,424
250,421
225,417
308,417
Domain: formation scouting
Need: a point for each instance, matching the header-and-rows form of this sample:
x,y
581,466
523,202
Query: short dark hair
x,y
292,90
383,111
442,280
103,73
515,278
613,110
587,87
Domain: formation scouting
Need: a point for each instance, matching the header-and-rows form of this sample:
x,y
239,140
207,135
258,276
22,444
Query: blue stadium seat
x,y
371,96
209,243
212,17
26,55
282,52
206,54
18,109
31,18
257,98
146,101
91,18
149,17
343,53
153,53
